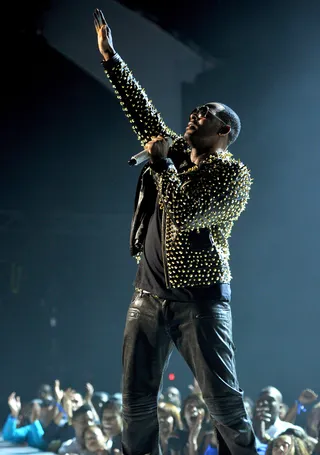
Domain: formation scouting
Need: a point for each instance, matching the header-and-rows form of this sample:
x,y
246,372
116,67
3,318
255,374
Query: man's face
x,y
81,422
94,439
172,395
111,422
203,127
77,401
267,408
45,392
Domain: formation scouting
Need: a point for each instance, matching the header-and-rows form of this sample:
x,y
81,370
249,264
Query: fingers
x,y
99,19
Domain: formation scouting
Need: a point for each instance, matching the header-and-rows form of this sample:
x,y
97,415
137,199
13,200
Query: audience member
x,y
32,434
82,418
306,398
287,444
172,395
98,400
111,422
197,433
266,418
169,422
94,441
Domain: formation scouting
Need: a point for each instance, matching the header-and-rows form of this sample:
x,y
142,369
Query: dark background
x,y
67,195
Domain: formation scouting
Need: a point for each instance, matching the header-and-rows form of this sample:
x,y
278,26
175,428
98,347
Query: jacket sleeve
x,y
216,193
35,436
145,119
11,433
30,433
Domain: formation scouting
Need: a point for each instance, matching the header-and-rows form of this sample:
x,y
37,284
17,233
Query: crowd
x,y
65,422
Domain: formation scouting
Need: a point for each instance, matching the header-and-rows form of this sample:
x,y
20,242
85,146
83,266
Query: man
x,y
111,423
266,420
179,230
82,418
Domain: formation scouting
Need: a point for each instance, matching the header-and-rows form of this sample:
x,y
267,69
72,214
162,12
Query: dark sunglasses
x,y
204,112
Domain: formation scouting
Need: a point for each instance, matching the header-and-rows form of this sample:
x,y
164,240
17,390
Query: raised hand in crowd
x,y
67,403
14,403
58,392
89,392
194,432
306,397
195,388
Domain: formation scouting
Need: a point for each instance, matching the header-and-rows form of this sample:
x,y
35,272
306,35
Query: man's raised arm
x,y
145,119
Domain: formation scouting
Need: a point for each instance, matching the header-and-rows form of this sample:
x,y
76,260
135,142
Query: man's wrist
x,y
108,55
162,164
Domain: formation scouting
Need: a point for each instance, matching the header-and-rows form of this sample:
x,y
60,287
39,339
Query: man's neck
x,y
197,156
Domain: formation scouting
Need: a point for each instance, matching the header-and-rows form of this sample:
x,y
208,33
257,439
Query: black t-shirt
x,y
150,275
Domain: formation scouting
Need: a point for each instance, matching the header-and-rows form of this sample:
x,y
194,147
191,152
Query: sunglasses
x,y
204,112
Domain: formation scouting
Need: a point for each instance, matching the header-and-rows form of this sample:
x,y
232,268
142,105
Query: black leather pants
x,y
202,332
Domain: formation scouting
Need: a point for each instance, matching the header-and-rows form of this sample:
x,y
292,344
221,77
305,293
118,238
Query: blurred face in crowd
x,y
45,392
166,423
77,401
46,408
192,411
111,422
172,395
81,422
268,406
98,400
283,445
94,439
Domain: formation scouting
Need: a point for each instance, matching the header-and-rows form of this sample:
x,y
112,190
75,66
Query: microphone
x,y
144,155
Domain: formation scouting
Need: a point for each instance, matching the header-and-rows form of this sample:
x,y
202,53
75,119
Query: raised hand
x,y
14,403
307,396
195,388
195,429
105,42
67,402
263,412
58,392
89,392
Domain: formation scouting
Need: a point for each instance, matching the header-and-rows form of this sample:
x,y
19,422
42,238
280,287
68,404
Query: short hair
x,y
228,116
113,405
273,391
171,410
82,410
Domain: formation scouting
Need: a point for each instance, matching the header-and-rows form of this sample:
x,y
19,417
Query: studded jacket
x,y
199,203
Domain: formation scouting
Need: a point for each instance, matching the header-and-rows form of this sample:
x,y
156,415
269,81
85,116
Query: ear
x,y
225,130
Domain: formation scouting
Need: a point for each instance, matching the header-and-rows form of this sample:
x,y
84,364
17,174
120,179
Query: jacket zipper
x,y
163,239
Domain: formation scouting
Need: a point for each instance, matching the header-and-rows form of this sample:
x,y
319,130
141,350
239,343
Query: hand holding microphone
x,y
156,149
